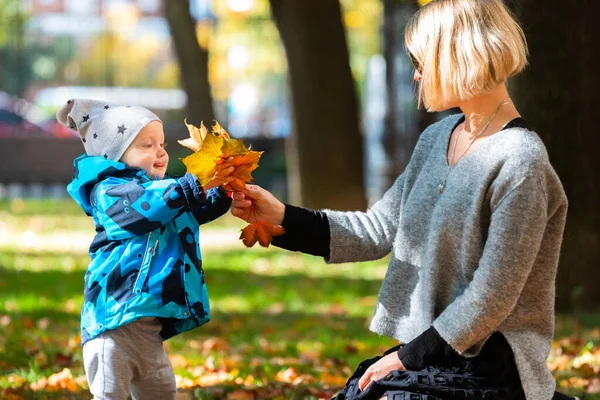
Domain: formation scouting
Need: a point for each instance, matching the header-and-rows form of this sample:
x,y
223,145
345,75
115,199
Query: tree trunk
x,y
193,62
558,95
325,135
403,123
390,133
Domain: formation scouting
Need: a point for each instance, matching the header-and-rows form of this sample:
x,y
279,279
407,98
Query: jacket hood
x,y
89,170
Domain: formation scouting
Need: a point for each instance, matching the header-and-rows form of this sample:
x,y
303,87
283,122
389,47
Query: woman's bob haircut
x,y
463,48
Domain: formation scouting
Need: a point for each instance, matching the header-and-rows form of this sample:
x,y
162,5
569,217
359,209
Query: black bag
x,y
432,383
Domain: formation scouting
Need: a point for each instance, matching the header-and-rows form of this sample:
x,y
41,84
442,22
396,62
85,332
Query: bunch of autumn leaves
x,y
215,149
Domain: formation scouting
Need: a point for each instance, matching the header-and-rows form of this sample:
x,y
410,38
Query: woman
x,y
474,225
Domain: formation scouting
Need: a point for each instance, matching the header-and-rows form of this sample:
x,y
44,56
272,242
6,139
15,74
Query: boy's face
x,y
147,151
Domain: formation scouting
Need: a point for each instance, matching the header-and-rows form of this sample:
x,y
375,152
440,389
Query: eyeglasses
x,y
414,62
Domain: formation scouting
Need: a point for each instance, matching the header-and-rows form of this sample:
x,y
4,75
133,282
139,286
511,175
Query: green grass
x,y
46,207
274,309
264,291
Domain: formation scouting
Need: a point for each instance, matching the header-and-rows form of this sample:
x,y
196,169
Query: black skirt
x,y
491,375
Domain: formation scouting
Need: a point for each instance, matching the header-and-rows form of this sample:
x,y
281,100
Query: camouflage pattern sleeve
x,y
217,203
130,208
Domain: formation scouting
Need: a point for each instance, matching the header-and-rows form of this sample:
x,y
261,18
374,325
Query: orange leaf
x,y
60,381
244,165
261,232
240,395
287,376
237,184
28,323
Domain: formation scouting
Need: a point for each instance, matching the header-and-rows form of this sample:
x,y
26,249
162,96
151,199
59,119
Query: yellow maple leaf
x,y
216,148
234,147
197,135
203,163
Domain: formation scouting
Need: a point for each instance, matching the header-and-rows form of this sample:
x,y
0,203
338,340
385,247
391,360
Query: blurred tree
x,y
558,95
193,61
390,49
11,20
112,59
362,21
15,70
325,158
403,123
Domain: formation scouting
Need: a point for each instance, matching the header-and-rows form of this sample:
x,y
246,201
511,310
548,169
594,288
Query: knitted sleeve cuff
x,y
307,231
192,189
295,219
218,192
426,349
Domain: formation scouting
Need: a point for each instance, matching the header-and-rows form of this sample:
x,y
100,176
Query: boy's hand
x,y
257,204
221,177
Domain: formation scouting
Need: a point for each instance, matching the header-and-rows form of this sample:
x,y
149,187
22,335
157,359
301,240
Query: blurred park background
x,y
325,89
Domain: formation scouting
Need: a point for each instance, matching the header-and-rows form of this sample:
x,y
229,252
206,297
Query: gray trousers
x,y
129,360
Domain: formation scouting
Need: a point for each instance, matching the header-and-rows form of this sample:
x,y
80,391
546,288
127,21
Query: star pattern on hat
x,y
104,128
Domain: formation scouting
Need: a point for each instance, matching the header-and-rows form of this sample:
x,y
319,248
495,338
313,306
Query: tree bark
x,y
403,125
193,62
558,95
390,126
328,163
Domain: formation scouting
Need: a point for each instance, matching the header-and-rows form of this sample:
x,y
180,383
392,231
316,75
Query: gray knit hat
x,y
106,129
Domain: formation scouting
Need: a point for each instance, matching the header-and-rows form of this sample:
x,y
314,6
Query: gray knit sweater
x,y
480,257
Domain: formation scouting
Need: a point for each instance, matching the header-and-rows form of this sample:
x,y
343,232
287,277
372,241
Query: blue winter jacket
x,y
146,256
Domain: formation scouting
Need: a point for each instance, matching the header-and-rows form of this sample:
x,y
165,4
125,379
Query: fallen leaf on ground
x,y
62,380
240,395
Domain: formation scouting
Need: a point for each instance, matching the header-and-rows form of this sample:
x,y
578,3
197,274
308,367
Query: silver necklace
x,y
477,136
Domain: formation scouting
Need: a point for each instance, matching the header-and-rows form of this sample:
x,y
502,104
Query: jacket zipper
x,y
143,261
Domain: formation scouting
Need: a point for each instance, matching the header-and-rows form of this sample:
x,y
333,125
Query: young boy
x,y
145,281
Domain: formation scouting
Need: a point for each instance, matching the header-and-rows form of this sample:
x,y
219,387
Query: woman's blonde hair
x,y
464,49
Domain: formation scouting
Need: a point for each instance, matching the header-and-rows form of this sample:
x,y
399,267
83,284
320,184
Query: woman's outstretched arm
x,y
306,230
336,236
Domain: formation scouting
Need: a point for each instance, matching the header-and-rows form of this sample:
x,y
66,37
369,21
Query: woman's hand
x,y
380,369
221,177
257,204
